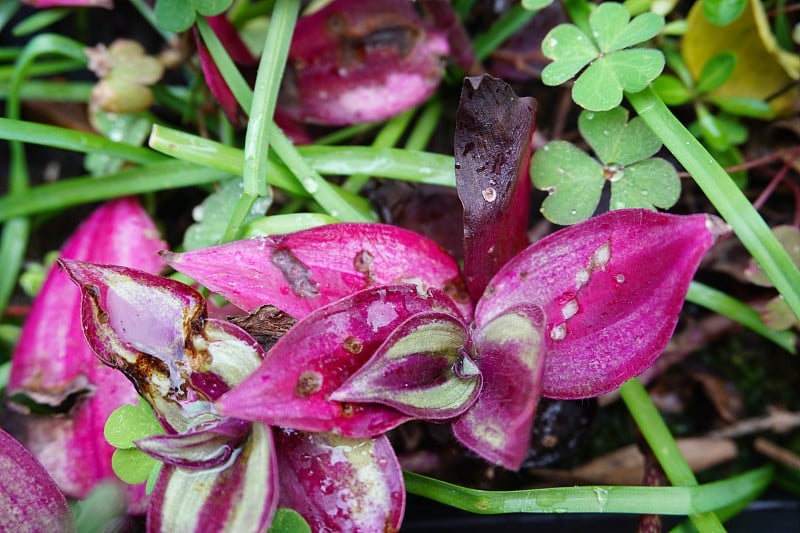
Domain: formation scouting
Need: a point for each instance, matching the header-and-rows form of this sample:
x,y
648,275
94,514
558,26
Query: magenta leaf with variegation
x,y
354,61
220,473
572,316
29,498
52,367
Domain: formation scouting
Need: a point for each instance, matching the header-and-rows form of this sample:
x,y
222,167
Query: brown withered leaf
x,y
266,324
625,466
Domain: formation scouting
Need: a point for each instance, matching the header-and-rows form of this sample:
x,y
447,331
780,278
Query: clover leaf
x,y
612,66
126,424
179,15
574,181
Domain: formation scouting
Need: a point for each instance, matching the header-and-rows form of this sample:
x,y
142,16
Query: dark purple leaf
x,y
492,151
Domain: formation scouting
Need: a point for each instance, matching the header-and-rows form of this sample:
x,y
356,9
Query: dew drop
x,y
310,185
570,309
573,212
558,332
620,278
602,498
489,194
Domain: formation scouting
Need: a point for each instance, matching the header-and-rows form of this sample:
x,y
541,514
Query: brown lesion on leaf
x,y
348,410
296,273
308,383
266,324
386,33
352,345
363,262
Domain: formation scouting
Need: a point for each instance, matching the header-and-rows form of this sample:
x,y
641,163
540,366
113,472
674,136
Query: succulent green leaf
x,y
288,521
716,71
647,184
672,90
723,12
175,15
573,180
128,423
132,466
616,141
570,49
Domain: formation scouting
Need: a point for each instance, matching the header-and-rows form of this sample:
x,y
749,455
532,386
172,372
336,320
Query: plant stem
x,y
428,120
726,197
666,451
723,304
594,499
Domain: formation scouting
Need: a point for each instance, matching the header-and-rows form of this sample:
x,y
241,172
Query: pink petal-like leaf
x,y
315,357
29,498
52,361
303,271
155,332
509,353
340,484
611,289
422,370
492,151
241,497
354,61
204,449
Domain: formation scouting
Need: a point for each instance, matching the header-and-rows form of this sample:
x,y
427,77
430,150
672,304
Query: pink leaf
x,y
611,289
52,360
340,484
509,353
492,151
303,271
355,61
155,332
241,496
29,498
315,357
422,370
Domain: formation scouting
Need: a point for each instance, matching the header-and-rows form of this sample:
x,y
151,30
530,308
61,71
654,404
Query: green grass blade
x,y
723,304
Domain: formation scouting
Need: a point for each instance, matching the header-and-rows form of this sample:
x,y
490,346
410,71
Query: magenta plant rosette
x,y
54,370
571,316
222,473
